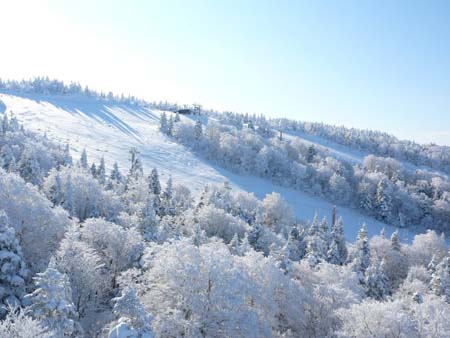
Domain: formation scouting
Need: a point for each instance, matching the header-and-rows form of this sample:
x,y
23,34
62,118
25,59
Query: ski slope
x,y
110,129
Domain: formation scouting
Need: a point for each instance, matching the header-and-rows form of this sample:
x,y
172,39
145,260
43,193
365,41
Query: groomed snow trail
x,y
111,129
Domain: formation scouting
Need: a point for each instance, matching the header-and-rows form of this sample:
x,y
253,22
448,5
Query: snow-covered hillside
x,y
111,129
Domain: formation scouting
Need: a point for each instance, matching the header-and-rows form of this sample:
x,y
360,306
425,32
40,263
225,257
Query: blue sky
x,y
369,64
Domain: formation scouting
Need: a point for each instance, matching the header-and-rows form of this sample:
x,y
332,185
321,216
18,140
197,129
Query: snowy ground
x,y
110,130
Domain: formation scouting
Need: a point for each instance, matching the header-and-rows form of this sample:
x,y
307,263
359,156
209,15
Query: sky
x,y
381,65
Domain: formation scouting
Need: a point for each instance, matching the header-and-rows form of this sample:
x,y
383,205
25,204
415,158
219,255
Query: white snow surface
x,y
110,129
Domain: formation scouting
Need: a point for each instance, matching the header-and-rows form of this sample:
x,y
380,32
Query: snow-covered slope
x,y
111,129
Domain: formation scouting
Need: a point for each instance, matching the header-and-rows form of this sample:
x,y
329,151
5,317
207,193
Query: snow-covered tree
x,y
440,279
167,207
52,302
39,226
18,324
29,167
55,192
163,123
67,158
384,199
8,159
361,260
13,271
154,184
83,160
101,172
395,242
115,178
276,213
376,282
93,170
198,130
337,253
84,268
136,169
133,320
119,248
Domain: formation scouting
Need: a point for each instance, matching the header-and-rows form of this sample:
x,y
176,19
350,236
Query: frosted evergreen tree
x,y
101,171
337,253
13,271
5,124
170,126
163,123
177,117
383,233
136,169
29,167
323,227
94,170
395,243
56,191
255,238
361,260
132,317
440,279
296,245
198,130
8,158
154,184
313,254
284,261
52,302
84,160
316,245
115,178
235,245
376,282
198,235
384,199
250,125
167,207
149,219
312,152
69,203
67,158
432,265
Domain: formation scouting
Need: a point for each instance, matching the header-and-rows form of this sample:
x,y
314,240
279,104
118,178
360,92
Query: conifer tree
x,y
198,130
56,191
136,169
337,254
170,126
84,160
163,123
440,279
376,282
167,207
52,302
13,271
94,170
101,171
67,158
362,256
395,243
132,316
384,199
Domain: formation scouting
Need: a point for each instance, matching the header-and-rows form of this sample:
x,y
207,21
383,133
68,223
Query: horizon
x,y
293,60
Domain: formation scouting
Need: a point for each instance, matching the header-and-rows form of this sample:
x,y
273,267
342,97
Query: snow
x,y
335,150
110,129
